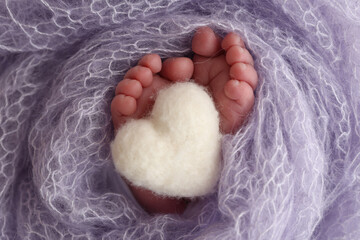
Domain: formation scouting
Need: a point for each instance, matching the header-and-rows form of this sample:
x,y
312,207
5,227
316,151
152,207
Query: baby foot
x,y
134,97
227,68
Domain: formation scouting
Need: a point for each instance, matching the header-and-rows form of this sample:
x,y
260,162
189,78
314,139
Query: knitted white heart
x,y
176,150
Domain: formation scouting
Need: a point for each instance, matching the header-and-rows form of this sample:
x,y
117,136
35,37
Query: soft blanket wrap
x,y
291,172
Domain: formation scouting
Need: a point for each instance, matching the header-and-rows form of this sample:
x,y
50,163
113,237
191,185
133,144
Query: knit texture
x,y
291,172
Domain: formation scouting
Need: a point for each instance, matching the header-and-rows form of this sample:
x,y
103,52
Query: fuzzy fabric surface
x,y
291,172
175,150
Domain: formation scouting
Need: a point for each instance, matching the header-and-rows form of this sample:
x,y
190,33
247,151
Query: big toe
x,y
177,69
206,43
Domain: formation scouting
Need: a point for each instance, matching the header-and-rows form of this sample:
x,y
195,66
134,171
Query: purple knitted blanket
x,y
291,172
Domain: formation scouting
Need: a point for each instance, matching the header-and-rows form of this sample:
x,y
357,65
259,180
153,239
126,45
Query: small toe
x,y
121,107
236,54
241,93
206,43
232,39
244,72
177,69
232,89
151,61
129,87
143,74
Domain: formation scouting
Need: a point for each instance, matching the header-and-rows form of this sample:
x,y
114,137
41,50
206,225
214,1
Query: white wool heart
x,y
176,150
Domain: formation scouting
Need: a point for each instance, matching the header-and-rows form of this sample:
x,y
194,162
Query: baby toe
x,y
232,89
143,74
178,69
205,42
151,61
241,92
122,106
244,72
236,54
129,87
232,39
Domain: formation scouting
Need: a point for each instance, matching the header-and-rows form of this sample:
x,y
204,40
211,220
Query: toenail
x,y
242,66
236,82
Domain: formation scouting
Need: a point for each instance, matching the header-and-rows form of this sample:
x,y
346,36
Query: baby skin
x,y
224,66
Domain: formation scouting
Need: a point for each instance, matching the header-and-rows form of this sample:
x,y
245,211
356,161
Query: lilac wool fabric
x,y
291,172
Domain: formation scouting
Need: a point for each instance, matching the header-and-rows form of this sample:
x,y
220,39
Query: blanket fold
x,y
291,172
